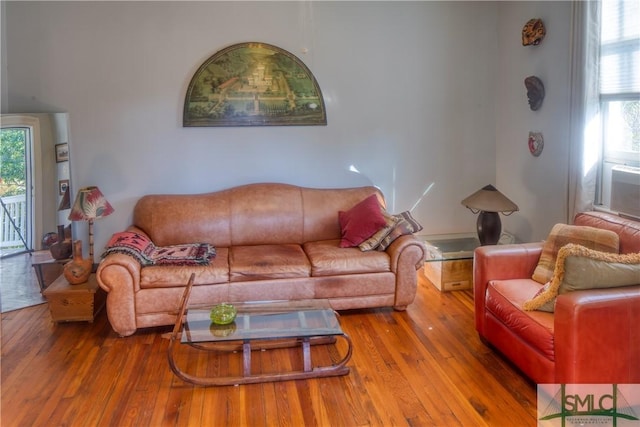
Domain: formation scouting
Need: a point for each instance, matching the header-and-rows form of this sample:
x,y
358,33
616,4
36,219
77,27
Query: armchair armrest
x,y
501,262
585,323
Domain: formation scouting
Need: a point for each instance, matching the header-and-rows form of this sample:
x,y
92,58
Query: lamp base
x,y
489,228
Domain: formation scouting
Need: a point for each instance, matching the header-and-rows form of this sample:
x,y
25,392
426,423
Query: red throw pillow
x,y
360,222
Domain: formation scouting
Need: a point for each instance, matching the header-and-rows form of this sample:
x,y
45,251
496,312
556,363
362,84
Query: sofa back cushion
x,y
321,207
627,230
251,214
265,215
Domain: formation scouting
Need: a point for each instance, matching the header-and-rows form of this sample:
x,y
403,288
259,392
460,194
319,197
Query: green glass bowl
x,y
223,314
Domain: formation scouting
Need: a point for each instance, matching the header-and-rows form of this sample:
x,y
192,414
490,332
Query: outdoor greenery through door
x,y
15,234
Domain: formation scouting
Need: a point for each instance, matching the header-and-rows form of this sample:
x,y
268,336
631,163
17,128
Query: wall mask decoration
x,y
253,84
536,143
535,92
533,32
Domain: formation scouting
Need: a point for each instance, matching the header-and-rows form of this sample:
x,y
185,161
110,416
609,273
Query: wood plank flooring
x,y
19,286
422,367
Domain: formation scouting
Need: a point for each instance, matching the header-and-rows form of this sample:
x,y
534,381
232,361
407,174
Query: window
x,y
620,105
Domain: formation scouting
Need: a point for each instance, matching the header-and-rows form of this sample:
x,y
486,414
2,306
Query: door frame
x,y
33,170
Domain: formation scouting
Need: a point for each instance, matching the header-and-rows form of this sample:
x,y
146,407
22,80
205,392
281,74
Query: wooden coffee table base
x,y
250,345
247,377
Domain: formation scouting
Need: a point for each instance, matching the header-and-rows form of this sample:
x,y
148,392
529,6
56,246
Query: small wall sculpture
x,y
533,32
536,143
535,92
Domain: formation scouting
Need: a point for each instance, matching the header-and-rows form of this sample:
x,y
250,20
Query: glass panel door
x,y
16,232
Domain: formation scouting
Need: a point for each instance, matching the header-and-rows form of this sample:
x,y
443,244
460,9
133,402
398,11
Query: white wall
x,y
412,92
537,184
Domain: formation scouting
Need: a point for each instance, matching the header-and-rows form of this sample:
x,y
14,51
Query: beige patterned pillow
x,y
579,268
374,241
562,234
406,225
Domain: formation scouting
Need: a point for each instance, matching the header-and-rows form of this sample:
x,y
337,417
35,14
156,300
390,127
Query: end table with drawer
x,y
71,303
449,262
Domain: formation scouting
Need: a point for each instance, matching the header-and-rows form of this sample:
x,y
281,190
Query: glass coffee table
x,y
259,325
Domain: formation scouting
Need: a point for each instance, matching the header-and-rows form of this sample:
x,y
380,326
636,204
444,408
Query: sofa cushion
x,y
406,225
562,234
580,268
170,276
504,299
375,240
263,262
328,259
360,222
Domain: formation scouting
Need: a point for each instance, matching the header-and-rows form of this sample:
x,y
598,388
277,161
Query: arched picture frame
x,y
253,84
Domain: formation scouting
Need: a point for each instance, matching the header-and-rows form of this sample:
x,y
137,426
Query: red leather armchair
x,y
593,336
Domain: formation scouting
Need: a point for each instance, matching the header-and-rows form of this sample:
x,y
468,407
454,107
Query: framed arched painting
x,y
253,84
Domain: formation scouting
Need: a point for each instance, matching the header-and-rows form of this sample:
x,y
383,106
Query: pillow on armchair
x,y
580,268
562,234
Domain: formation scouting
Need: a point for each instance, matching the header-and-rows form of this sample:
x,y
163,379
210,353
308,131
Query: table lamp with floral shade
x,y
90,204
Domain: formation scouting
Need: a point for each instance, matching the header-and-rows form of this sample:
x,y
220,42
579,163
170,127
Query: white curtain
x,y
585,142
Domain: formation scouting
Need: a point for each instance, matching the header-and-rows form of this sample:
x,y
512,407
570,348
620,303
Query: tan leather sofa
x,y
273,242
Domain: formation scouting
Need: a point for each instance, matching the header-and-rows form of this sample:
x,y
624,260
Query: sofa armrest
x,y
119,276
500,262
586,323
407,255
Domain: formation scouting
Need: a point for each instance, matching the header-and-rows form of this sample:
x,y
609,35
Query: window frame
x,y
609,157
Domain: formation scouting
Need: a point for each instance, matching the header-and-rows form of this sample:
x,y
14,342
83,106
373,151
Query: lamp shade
x,y
90,204
489,199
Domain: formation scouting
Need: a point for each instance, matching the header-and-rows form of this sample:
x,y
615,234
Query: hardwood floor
x,y
19,286
422,367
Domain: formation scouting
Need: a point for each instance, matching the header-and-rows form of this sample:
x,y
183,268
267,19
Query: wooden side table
x,y
449,263
71,303
47,269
